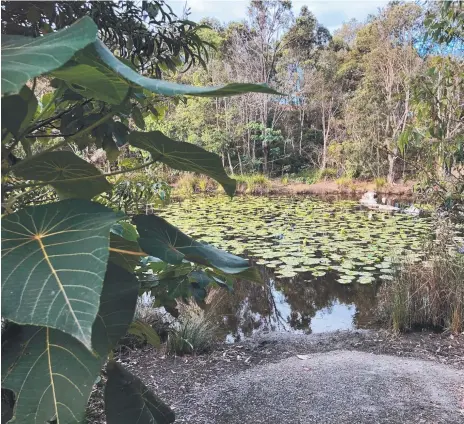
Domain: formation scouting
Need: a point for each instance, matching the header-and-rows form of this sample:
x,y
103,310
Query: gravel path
x,y
344,377
333,387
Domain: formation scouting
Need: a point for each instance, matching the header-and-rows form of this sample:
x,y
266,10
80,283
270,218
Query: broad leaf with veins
x,y
97,73
164,241
24,58
51,372
54,260
128,400
67,173
183,156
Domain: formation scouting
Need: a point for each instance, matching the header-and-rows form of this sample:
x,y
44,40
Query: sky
x,y
330,13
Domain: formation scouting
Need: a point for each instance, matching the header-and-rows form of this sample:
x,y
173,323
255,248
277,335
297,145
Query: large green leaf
x,y
183,156
128,400
18,110
169,88
117,307
167,290
24,58
91,79
67,173
54,260
124,253
98,73
51,372
162,240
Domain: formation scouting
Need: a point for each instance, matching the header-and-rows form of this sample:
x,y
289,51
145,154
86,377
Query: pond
x,y
321,261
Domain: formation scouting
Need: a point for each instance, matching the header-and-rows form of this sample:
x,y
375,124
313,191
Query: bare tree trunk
x,y
265,158
302,115
230,163
240,163
392,156
324,135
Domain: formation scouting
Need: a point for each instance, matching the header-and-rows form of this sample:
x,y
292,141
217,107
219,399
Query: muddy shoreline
x,y
332,188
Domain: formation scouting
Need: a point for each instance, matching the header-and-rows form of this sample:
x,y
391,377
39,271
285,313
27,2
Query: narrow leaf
x,y
54,260
128,400
24,58
62,169
183,156
137,116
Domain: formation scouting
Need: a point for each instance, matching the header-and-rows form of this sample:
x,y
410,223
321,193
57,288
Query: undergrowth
x,y
380,183
430,293
188,184
253,184
345,184
194,332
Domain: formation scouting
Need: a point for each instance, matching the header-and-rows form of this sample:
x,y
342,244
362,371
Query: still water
x,y
321,261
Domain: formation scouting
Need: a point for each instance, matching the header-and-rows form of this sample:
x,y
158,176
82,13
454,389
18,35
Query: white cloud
x,y
330,13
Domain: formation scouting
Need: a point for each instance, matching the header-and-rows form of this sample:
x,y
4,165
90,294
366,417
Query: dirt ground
x,y
180,380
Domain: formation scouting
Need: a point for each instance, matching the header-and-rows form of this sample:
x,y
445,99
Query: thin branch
x,y
66,141
38,125
50,135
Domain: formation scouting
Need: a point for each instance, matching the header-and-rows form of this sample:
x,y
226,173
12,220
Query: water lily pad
x,y
303,234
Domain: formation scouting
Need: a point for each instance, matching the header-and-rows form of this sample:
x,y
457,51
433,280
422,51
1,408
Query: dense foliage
x,y
74,263
377,99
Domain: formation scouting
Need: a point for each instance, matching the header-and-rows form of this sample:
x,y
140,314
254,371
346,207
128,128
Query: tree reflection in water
x,y
302,304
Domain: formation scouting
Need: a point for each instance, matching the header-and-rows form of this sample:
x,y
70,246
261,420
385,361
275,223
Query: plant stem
x,y
127,252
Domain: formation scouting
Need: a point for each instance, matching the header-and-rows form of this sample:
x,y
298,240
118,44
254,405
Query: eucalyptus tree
x,y
388,63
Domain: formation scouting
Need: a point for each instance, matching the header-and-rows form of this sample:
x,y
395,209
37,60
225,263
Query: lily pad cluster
x,y
292,236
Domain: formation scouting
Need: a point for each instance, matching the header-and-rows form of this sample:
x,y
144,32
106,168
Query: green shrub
x,y
186,185
345,183
202,184
285,180
195,332
380,182
205,184
134,192
308,176
253,184
328,174
429,293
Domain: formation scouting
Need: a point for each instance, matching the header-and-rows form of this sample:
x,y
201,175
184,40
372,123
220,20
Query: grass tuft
x,y
427,294
328,174
380,183
195,332
253,184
